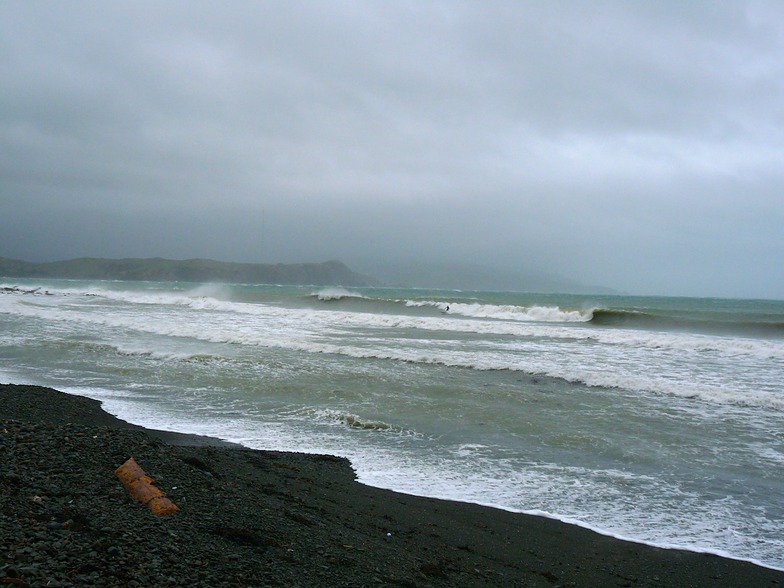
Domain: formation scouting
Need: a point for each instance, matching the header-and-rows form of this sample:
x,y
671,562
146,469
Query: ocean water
x,y
658,420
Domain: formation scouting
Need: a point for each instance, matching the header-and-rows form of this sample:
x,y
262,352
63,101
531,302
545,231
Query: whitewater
x,y
653,419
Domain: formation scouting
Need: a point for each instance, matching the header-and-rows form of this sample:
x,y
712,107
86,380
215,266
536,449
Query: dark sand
x,y
257,518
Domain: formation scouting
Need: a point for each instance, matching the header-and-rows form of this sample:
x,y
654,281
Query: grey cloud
x,y
634,144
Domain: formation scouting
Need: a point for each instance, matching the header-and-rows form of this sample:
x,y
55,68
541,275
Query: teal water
x,y
653,419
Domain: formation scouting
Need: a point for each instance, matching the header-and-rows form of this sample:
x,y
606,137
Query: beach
x,y
263,518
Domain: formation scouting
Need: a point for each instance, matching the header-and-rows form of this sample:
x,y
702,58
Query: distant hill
x,y
330,273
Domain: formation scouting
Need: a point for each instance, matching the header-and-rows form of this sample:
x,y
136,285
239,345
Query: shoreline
x,y
259,518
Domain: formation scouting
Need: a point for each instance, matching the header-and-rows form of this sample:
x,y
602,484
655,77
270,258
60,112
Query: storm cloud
x,y
636,145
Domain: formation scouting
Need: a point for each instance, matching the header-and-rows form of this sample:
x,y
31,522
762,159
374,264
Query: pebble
x,y
84,531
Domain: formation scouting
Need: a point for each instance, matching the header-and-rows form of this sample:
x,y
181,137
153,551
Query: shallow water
x,y
655,419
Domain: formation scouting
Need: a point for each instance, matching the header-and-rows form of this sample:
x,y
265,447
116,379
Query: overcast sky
x,y
636,145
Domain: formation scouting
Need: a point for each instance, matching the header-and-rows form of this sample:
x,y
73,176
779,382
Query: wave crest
x,y
334,293
356,423
508,312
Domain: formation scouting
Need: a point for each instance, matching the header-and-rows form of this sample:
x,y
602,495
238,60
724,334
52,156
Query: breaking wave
x,y
357,423
646,320
335,293
542,314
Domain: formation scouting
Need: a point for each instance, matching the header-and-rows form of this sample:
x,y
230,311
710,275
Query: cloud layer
x,y
636,145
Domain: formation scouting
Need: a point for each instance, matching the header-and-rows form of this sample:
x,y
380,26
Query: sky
x,y
633,145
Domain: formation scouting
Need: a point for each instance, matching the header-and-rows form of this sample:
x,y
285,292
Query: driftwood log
x,y
141,487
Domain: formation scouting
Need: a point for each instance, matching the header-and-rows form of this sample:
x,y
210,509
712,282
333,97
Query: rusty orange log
x,y
140,486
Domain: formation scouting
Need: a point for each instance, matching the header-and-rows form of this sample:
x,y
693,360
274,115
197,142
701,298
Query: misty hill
x,y
465,276
330,273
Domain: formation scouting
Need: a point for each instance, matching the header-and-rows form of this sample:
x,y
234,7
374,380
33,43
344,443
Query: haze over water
x,y
654,419
631,145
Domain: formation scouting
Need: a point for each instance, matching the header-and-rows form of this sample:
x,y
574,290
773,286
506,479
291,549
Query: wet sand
x,y
258,518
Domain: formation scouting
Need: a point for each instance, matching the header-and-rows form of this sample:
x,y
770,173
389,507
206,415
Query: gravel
x,y
258,518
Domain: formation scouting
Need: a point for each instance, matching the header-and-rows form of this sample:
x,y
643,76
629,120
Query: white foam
x,y
336,293
693,366
595,499
581,496
536,321
203,323
508,312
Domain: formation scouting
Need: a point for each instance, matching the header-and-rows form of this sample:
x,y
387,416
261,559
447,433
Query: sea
x,y
657,420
